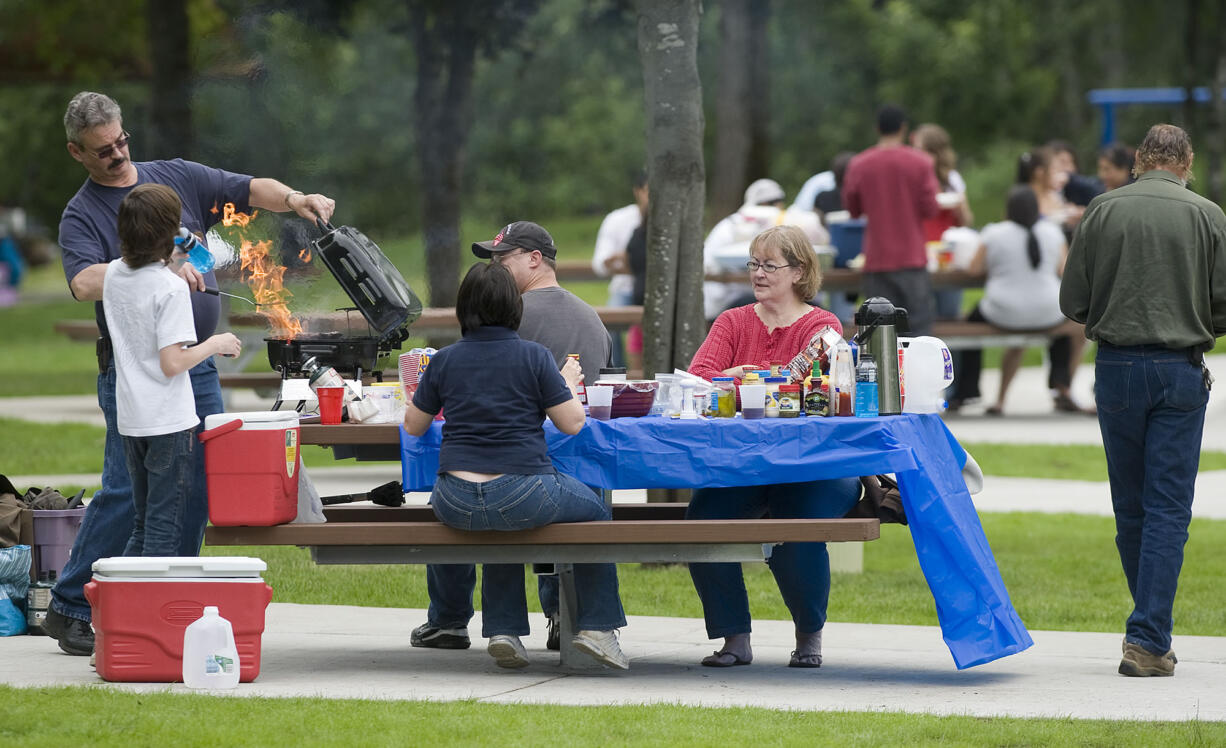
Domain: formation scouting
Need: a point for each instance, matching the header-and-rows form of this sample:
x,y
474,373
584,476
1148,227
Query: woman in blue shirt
x,y
494,469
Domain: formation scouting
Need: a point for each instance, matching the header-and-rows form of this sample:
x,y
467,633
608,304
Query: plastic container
x,y
38,599
54,533
790,402
772,395
251,467
753,401
866,387
210,658
197,253
724,392
928,369
141,607
847,237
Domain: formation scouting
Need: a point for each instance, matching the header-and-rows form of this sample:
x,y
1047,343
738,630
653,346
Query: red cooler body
x,y
251,462
141,606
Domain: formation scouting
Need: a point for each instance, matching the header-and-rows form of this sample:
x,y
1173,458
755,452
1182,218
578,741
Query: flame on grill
x,y
264,275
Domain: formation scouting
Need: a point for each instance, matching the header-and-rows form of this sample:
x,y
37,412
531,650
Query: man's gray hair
x,y
1165,146
88,110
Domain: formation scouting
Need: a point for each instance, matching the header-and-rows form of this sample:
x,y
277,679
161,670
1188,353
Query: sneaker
x,y
76,637
433,637
603,647
507,651
554,639
1139,663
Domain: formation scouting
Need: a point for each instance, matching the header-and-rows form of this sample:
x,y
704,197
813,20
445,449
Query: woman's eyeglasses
x,y
769,267
107,152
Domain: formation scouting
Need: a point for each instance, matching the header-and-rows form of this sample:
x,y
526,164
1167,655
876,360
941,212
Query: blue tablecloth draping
x,y
977,619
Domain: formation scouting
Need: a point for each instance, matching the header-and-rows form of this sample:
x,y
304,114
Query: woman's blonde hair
x,y
797,251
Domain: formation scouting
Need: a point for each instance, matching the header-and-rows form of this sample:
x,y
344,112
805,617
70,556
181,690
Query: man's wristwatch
x,y
290,194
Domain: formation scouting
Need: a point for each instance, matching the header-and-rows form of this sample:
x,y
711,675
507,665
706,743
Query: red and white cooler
x,y
142,605
251,463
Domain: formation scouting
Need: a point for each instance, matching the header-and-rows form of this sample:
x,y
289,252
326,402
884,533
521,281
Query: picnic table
x,y
977,618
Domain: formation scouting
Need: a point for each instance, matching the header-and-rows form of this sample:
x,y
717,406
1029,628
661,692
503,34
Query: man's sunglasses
x,y
107,152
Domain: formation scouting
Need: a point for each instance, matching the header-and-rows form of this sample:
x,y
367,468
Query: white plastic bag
x,y
310,508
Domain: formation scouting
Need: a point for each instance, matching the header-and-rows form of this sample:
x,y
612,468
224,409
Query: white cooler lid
x,y
255,420
179,566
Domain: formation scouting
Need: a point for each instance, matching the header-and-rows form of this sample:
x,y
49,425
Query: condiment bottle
x,y
816,399
789,400
580,390
866,386
776,366
772,396
843,375
725,397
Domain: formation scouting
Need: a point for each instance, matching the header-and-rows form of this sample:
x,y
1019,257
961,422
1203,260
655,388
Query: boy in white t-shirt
x,y
149,314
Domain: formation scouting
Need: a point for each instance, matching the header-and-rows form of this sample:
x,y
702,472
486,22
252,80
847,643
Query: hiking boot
x,y
602,646
1139,663
433,637
553,640
507,651
76,637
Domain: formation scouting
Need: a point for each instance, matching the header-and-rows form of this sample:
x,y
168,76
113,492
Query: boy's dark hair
x,y
890,119
488,297
1119,155
148,223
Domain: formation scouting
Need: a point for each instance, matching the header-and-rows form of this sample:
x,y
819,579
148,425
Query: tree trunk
x,y
673,325
170,110
446,52
742,108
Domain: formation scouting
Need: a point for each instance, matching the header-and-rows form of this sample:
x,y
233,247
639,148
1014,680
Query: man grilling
x,y
97,139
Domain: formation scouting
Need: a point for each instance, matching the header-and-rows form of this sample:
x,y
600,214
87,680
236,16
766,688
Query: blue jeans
x,y
451,586
161,471
802,570
522,502
108,517
1151,410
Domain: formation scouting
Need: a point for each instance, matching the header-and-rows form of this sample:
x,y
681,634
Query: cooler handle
x,y
221,430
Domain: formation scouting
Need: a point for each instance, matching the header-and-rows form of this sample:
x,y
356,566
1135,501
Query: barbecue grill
x,y
378,291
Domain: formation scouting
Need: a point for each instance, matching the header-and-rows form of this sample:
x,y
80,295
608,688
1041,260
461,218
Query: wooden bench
x,y
637,533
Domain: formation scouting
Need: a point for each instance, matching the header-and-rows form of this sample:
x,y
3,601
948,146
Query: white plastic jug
x,y
928,369
210,659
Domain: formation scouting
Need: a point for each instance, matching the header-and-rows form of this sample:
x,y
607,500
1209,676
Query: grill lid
x,y
374,284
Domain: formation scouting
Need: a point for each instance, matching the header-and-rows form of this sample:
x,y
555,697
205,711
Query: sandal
x,y
724,658
993,411
810,659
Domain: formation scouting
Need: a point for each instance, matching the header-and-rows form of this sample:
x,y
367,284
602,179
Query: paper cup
x,y
753,400
600,402
330,401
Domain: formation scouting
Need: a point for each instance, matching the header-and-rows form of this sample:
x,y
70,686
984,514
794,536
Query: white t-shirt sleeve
x,y
174,323
613,236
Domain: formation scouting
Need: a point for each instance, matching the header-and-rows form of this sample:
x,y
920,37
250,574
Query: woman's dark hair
x,y
1022,207
148,223
488,297
1118,155
1038,158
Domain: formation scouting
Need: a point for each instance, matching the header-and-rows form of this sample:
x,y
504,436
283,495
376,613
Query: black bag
x,y
881,500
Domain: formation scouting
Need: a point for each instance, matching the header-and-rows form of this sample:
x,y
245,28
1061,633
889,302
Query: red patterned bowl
x,y
633,398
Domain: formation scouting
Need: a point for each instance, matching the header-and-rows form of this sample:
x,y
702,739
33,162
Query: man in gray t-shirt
x,y
563,323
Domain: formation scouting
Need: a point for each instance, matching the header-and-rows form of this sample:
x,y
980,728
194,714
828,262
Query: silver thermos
x,y
879,322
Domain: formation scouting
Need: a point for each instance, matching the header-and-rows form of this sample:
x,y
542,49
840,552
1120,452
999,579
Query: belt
x,y
105,353
1194,353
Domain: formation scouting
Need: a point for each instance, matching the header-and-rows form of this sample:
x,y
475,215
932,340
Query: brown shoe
x,y
1139,663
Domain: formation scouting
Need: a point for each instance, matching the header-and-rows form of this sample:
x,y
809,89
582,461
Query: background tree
x,y
170,110
742,105
673,325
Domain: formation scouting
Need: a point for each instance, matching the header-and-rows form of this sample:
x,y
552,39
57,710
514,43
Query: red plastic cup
x,y
330,401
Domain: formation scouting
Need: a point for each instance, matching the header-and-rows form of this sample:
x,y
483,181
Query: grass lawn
x,y
127,720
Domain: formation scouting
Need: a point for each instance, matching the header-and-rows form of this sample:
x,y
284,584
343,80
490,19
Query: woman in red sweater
x,y
784,272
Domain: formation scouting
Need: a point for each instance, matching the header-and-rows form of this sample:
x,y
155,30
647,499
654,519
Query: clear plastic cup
x,y
600,402
753,400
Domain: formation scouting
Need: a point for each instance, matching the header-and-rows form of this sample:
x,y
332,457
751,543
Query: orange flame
x,y
305,255
264,275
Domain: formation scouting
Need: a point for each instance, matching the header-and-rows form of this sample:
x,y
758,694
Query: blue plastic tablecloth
x,y
977,619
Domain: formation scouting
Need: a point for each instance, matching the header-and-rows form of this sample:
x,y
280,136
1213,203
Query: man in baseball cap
x,y
525,235
563,323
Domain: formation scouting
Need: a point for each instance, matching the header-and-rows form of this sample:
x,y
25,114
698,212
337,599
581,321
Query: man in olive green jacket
x,y
1146,273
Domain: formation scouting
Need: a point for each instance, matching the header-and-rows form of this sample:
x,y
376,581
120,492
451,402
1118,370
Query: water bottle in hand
x,y
197,253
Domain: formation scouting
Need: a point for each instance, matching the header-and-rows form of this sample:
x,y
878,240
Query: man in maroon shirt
x,y
895,186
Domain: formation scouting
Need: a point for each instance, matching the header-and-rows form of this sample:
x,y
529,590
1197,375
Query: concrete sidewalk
x,y
343,652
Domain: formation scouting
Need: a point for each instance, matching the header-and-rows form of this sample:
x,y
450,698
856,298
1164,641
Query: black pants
x,y
966,381
910,289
